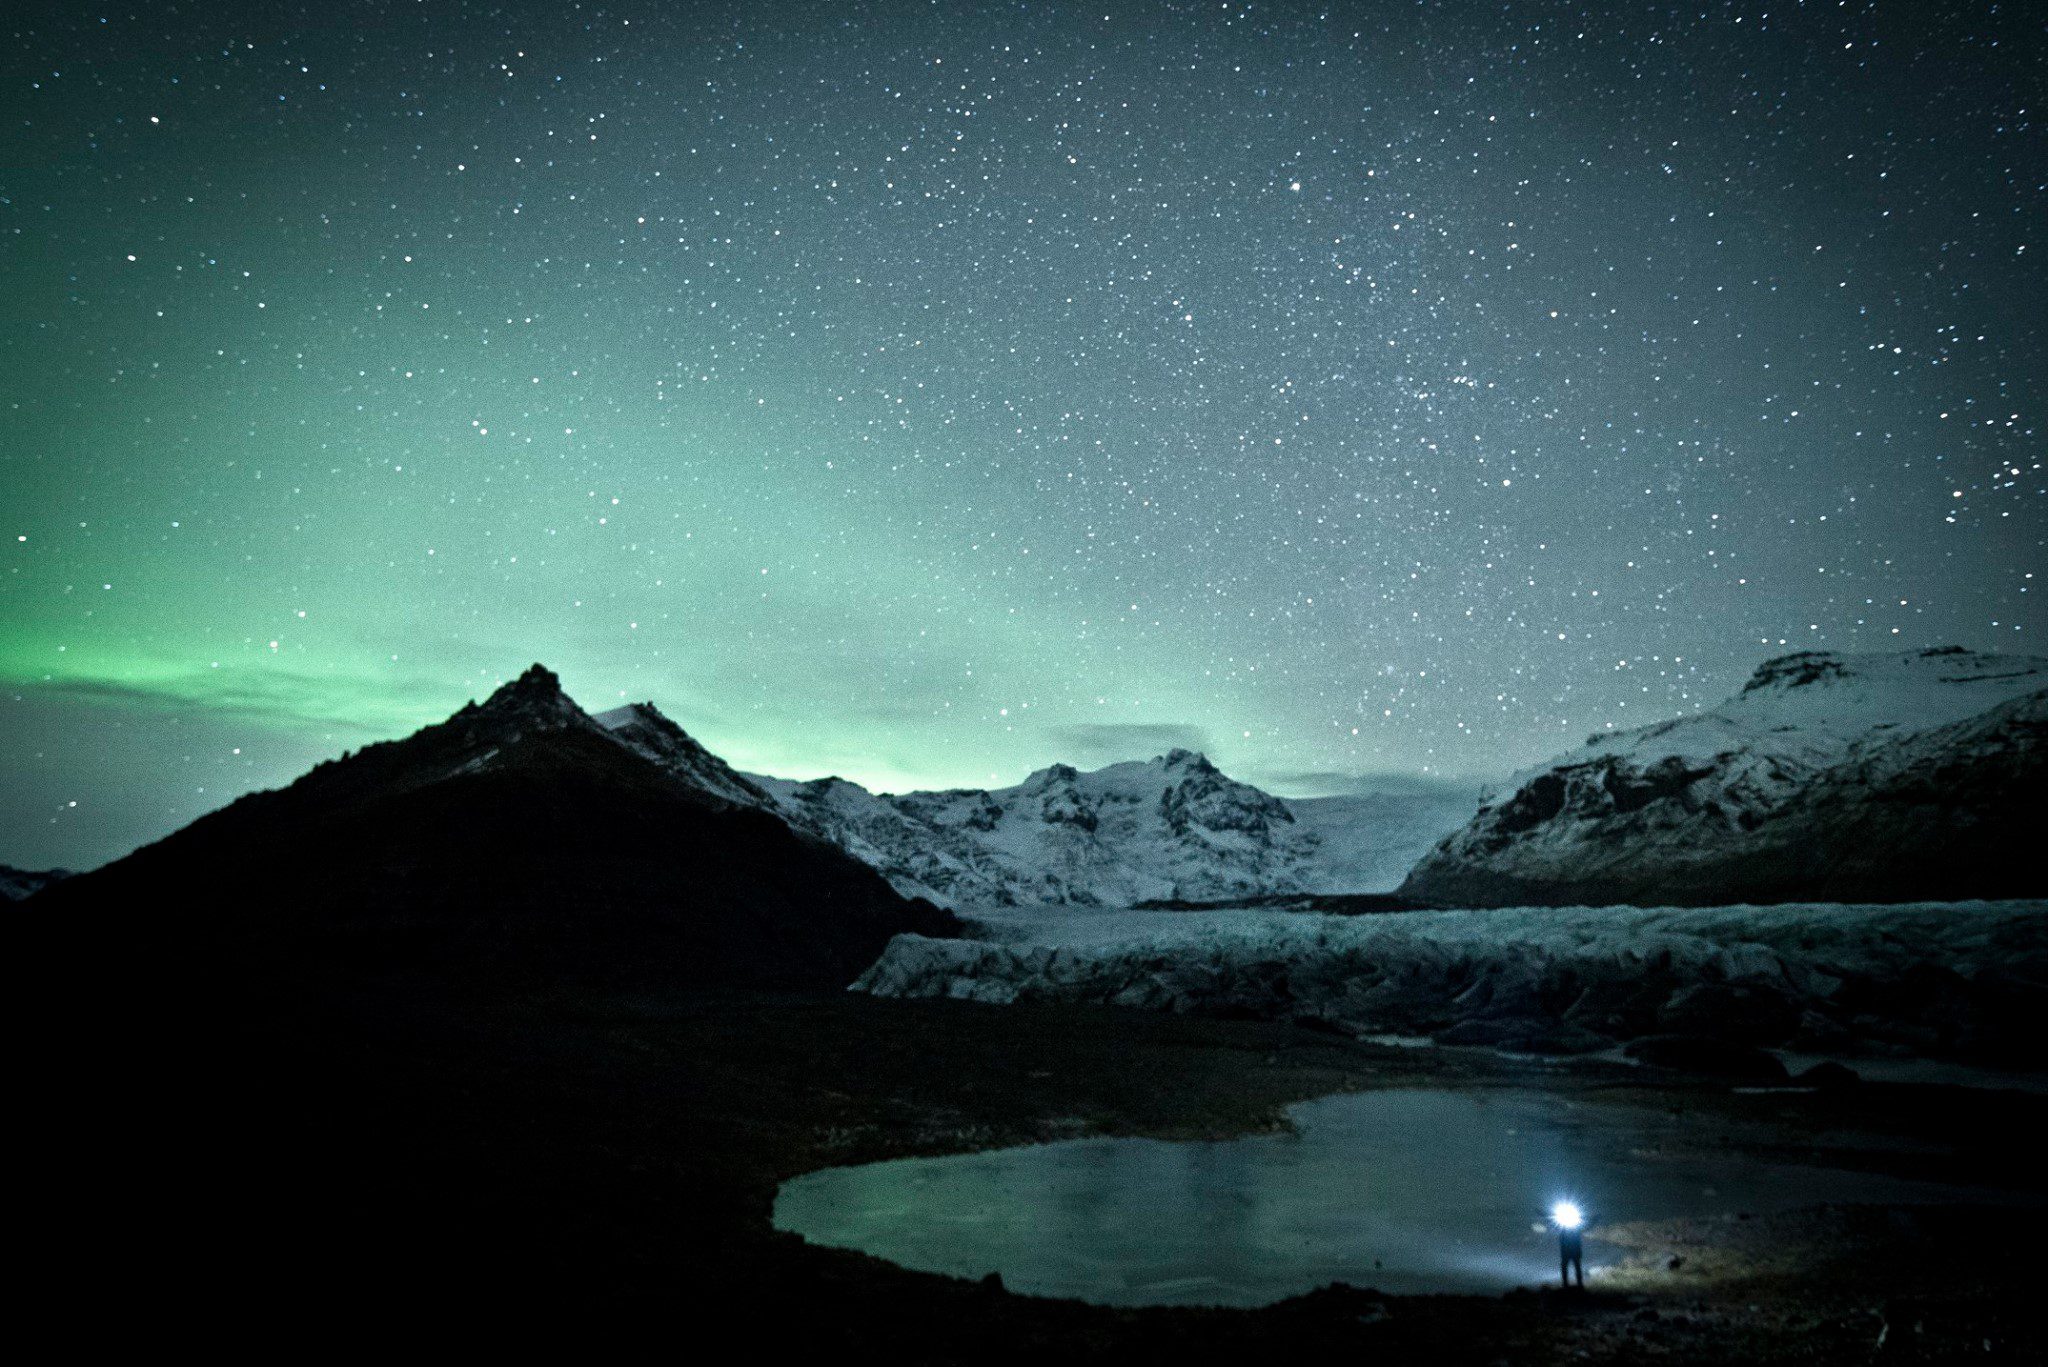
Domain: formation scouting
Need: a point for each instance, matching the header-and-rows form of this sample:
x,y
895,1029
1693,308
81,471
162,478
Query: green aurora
x,y
926,396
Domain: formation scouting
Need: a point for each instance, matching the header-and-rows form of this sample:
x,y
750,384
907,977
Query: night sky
x,y
1362,393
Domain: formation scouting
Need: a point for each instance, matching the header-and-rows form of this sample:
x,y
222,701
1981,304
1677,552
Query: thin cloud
x,y
274,698
1108,742
1331,783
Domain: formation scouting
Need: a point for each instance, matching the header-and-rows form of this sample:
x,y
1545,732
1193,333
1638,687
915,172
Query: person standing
x,y
1571,1243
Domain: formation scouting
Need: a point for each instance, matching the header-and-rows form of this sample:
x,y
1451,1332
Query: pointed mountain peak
x,y
817,789
535,696
537,682
1040,779
1193,760
1797,670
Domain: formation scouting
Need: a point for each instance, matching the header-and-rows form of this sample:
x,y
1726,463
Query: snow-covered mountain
x,y
921,858
1170,827
1173,827
1828,777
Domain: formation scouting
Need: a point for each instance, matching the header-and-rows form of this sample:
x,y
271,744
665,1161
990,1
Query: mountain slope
x,y
642,728
1829,777
519,841
920,858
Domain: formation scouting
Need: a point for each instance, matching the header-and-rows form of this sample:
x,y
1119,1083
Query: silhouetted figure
x,y
1571,1242
1571,1257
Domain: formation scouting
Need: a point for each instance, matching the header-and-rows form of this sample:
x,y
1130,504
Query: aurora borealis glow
x,y
925,393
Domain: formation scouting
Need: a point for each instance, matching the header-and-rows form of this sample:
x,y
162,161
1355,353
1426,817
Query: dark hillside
x,y
515,844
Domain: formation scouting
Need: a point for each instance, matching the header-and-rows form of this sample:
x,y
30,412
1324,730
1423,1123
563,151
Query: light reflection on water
x,y
1406,1191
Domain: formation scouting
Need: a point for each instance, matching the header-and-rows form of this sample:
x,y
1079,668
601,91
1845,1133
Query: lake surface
x,y
1406,1191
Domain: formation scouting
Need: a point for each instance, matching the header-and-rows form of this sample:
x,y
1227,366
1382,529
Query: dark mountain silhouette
x,y
518,842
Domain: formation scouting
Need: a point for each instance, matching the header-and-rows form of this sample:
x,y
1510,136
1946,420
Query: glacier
x,y
1962,980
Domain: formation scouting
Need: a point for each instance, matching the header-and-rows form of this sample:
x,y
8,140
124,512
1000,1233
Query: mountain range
x,y
1171,828
529,825
1837,778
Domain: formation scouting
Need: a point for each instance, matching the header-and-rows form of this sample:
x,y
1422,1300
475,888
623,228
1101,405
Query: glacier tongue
x,y
1967,979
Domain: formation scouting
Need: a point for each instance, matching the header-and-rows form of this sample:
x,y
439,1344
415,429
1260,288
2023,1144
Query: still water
x,y
1406,1191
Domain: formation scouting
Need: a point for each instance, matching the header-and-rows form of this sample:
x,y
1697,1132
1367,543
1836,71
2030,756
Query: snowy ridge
x,y
1800,786
1824,978
1170,827
920,858
642,728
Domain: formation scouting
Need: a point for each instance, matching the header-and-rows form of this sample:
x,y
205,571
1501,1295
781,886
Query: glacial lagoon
x,y
1406,1191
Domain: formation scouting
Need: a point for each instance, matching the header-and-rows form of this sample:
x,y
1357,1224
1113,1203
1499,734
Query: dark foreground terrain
x,y
323,1164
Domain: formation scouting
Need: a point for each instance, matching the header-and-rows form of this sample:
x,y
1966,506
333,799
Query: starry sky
x,y
1366,394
